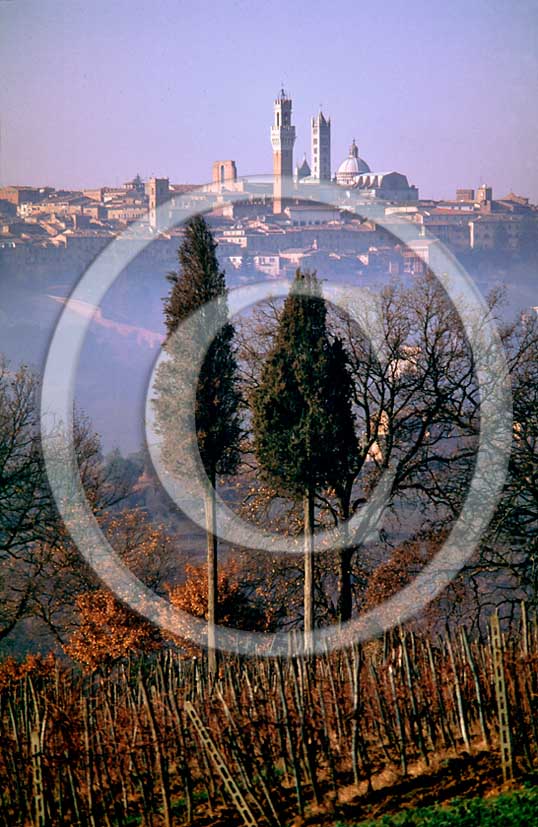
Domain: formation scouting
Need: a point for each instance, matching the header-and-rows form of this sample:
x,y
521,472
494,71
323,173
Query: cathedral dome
x,y
353,165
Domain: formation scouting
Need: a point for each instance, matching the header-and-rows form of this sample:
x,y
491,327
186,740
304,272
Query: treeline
x,y
159,741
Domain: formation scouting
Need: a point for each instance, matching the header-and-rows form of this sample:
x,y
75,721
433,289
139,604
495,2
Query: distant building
x,y
303,171
484,194
351,167
501,232
449,226
303,214
126,213
224,172
268,264
136,184
512,198
97,194
20,195
321,147
387,186
354,173
158,191
465,195
282,141
417,255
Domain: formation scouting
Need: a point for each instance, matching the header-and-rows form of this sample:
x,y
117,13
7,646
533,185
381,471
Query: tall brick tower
x,y
282,141
321,147
224,172
158,190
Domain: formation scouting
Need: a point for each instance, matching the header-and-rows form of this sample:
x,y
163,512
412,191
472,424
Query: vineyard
x,y
159,742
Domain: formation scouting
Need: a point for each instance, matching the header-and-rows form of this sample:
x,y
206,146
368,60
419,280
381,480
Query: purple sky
x,y
94,92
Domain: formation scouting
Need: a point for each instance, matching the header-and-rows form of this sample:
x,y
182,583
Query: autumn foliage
x,y
239,604
108,631
13,671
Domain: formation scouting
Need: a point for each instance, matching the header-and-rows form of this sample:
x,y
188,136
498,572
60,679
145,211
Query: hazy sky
x,y
92,92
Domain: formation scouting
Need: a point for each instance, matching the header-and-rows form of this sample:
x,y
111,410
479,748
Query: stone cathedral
x,y
353,173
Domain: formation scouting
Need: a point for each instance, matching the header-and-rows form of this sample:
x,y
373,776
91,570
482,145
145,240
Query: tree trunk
x,y
344,585
212,571
345,556
308,571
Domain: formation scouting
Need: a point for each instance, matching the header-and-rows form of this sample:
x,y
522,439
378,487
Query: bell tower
x,y
282,141
321,147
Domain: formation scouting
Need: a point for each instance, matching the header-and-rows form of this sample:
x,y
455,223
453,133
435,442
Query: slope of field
x,y
352,735
517,808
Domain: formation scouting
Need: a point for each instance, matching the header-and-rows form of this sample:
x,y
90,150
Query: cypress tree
x,y
199,282
304,430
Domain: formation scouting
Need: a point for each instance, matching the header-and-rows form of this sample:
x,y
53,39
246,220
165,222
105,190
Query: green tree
x,y
304,433
200,286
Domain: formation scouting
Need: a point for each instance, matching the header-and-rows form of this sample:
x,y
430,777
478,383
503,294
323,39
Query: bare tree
x,y
505,570
41,569
416,407
25,505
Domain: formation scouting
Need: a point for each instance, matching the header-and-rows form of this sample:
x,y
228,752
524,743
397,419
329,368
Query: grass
x,y
511,809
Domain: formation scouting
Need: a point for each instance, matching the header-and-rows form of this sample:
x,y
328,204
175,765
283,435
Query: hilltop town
x,y
267,226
